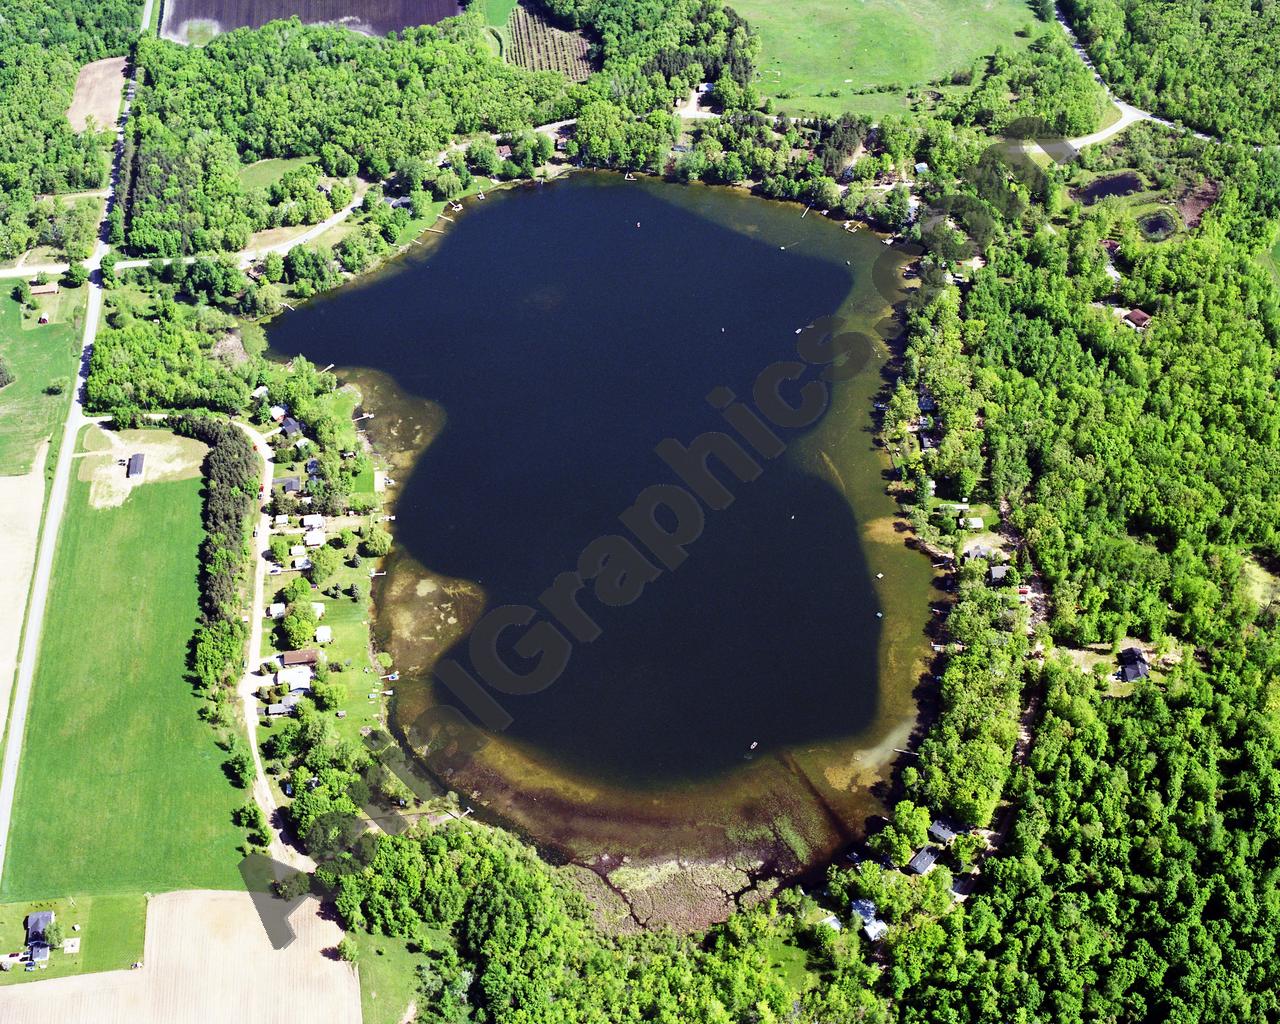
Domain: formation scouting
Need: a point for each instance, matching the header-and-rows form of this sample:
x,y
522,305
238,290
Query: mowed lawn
x,y
811,48
121,787
37,355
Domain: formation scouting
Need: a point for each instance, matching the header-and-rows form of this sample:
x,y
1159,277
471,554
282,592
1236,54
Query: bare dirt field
x,y
98,90
21,500
166,456
207,961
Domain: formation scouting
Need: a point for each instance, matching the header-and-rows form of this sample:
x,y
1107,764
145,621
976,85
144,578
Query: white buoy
x,y
879,615
879,575
754,744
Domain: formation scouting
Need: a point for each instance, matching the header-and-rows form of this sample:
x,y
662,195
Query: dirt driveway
x,y
207,961
99,87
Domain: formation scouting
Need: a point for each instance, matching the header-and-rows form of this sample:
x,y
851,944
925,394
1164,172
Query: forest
x,y
42,46
1209,64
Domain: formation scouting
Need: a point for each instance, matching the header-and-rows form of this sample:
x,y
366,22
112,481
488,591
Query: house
x,y
134,469
259,392
275,610
312,522
48,288
324,635
504,152
863,908
317,609
927,402
942,831
302,564
290,484
1111,245
274,710
296,677
37,924
314,538
298,551
922,863
290,427
39,953
1137,319
1133,664
277,412
832,922
997,573
972,522
922,168
280,520
875,930
304,657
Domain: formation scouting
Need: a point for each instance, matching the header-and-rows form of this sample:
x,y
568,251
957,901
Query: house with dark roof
x,y
922,863
1137,319
290,484
1133,664
305,657
942,831
863,908
37,924
290,426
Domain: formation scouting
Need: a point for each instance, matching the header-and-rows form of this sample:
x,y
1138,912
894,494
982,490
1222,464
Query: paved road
x,y
43,575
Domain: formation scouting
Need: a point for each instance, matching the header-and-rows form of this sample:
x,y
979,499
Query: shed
x,y
303,657
997,573
1137,318
277,412
324,635
134,468
832,922
922,863
37,924
290,426
922,168
504,152
259,392
317,609
312,521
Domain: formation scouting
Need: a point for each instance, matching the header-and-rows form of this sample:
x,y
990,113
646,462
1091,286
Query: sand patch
x,y
97,96
207,961
21,504
166,456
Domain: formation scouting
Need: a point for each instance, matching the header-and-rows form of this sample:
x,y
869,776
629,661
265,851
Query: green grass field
x,y
112,929
813,48
496,12
268,172
37,354
121,787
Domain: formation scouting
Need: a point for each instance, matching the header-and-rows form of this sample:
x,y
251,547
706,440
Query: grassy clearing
x,y
37,354
496,12
815,53
387,980
121,787
265,173
112,929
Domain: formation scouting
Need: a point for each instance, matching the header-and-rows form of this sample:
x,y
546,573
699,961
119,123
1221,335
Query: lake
x,y
372,17
522,370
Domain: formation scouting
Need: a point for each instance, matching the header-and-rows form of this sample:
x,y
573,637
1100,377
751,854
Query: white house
x,y
296,677
276,610
313,521
314,538
324,635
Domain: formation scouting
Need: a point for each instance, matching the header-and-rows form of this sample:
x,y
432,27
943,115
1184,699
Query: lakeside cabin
x,y
307,656
942,831
997,573
923,862
133,470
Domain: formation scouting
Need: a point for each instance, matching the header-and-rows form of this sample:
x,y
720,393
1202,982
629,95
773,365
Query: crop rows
x,y
540,46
